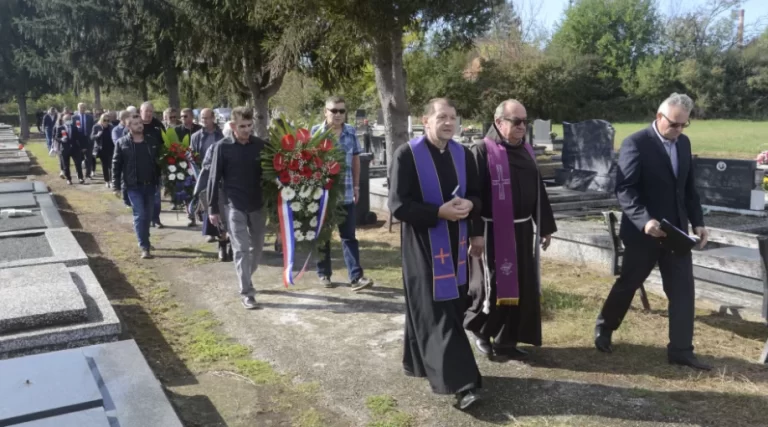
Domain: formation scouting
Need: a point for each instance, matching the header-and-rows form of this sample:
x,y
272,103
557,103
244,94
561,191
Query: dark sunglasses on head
x,y
515,121
675,124
337,111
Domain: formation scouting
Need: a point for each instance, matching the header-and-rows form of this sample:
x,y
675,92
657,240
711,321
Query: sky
x,y
755,11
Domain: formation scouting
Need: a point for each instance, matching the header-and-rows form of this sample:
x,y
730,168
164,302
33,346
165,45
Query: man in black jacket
x,y
655,183
69,139
154,129
134,164
188,125
236,165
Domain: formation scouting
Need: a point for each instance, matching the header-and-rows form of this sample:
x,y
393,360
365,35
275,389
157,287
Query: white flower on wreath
x,y
288,193
191,172
310,235
297,224
172,177
179,176
299,236
296,206
305,192
172,168
318,193
313,222
313,207
183,165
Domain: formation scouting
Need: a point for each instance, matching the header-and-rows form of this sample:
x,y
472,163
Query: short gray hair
x,y
674,100
499,113
146,105
131,108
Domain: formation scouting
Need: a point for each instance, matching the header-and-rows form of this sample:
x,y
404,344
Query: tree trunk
x,y
261,116
387,60
21,99
172,86
96,96
144,92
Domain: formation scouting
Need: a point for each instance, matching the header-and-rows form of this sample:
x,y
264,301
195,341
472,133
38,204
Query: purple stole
x,y
504,245
445,280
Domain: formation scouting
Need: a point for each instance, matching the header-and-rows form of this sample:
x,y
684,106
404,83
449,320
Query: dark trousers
x,y
89,160
157,208
68,152
106,164
49,137
142,199
677,278
349,247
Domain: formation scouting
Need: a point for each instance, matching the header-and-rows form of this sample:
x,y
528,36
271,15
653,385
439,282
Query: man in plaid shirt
x,y
335,114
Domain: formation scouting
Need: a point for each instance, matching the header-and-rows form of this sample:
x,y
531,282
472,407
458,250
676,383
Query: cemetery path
x,y
339,353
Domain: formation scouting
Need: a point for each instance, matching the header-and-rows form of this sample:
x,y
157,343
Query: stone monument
x,y
588,158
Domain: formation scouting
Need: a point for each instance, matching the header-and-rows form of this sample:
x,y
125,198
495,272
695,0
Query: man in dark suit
x,y
84,123
188,125
655,182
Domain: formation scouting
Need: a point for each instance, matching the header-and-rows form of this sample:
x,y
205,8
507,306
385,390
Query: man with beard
x,y
435,194
504,281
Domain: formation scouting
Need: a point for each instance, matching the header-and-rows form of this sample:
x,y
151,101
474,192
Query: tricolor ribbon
x,y
288,239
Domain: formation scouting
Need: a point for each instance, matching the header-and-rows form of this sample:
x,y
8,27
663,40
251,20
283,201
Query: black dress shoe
x,y
222,251
230,254
690,360
603,340
483,346
466,399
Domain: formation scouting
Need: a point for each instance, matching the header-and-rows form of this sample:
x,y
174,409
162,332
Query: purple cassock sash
x,y
445,280
505,245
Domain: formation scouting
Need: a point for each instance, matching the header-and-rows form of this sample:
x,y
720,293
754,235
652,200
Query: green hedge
x,y
13,119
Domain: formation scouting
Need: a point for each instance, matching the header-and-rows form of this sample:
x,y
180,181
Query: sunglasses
x,y
676,125
337,111
172,117
184,116
515,121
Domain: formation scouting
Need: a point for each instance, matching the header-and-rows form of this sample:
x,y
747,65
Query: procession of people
x,y
473,220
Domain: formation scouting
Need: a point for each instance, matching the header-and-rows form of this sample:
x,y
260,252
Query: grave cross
x,y
442,256
500,182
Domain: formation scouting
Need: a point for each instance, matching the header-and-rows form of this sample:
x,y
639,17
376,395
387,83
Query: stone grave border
x,y
63,245
102,325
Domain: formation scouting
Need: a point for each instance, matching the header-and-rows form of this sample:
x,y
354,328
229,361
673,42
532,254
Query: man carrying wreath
x,y
335,114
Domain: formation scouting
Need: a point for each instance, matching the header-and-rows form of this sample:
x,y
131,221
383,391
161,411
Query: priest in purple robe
x,y
504,279
434,192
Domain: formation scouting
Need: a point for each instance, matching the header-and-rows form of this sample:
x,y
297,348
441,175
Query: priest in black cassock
x,y
504,279
434,192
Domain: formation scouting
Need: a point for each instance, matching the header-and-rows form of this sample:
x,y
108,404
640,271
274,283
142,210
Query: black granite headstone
x,y
725,182
588,157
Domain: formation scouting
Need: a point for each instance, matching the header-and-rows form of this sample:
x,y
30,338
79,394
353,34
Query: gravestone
x,y
588,158
541,131
39,296
38,247
97,386
23,187
44,305
729,183
38,201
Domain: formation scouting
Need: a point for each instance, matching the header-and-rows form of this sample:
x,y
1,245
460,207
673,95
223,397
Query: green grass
x,y
384,413
739,139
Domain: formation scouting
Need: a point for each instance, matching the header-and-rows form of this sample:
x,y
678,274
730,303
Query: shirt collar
x,y
664,140
324,127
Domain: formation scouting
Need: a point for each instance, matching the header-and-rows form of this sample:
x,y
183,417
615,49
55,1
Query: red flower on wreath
x,y
288,142
285,177
318,176
278,162
329,184
294,165
303,135
318,162
171,160
296,179
326,145
306,172
21,146
333,167
306,155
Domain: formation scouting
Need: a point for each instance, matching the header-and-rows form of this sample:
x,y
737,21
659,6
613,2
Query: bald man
x,y
200,142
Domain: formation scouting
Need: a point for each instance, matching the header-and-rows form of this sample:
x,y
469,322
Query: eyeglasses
x,y
675,124
337,111
515,121
172,117
184,116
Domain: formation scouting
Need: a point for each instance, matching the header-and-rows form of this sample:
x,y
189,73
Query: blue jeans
x,y
349,247
126,200
49,138
142,201
156,210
